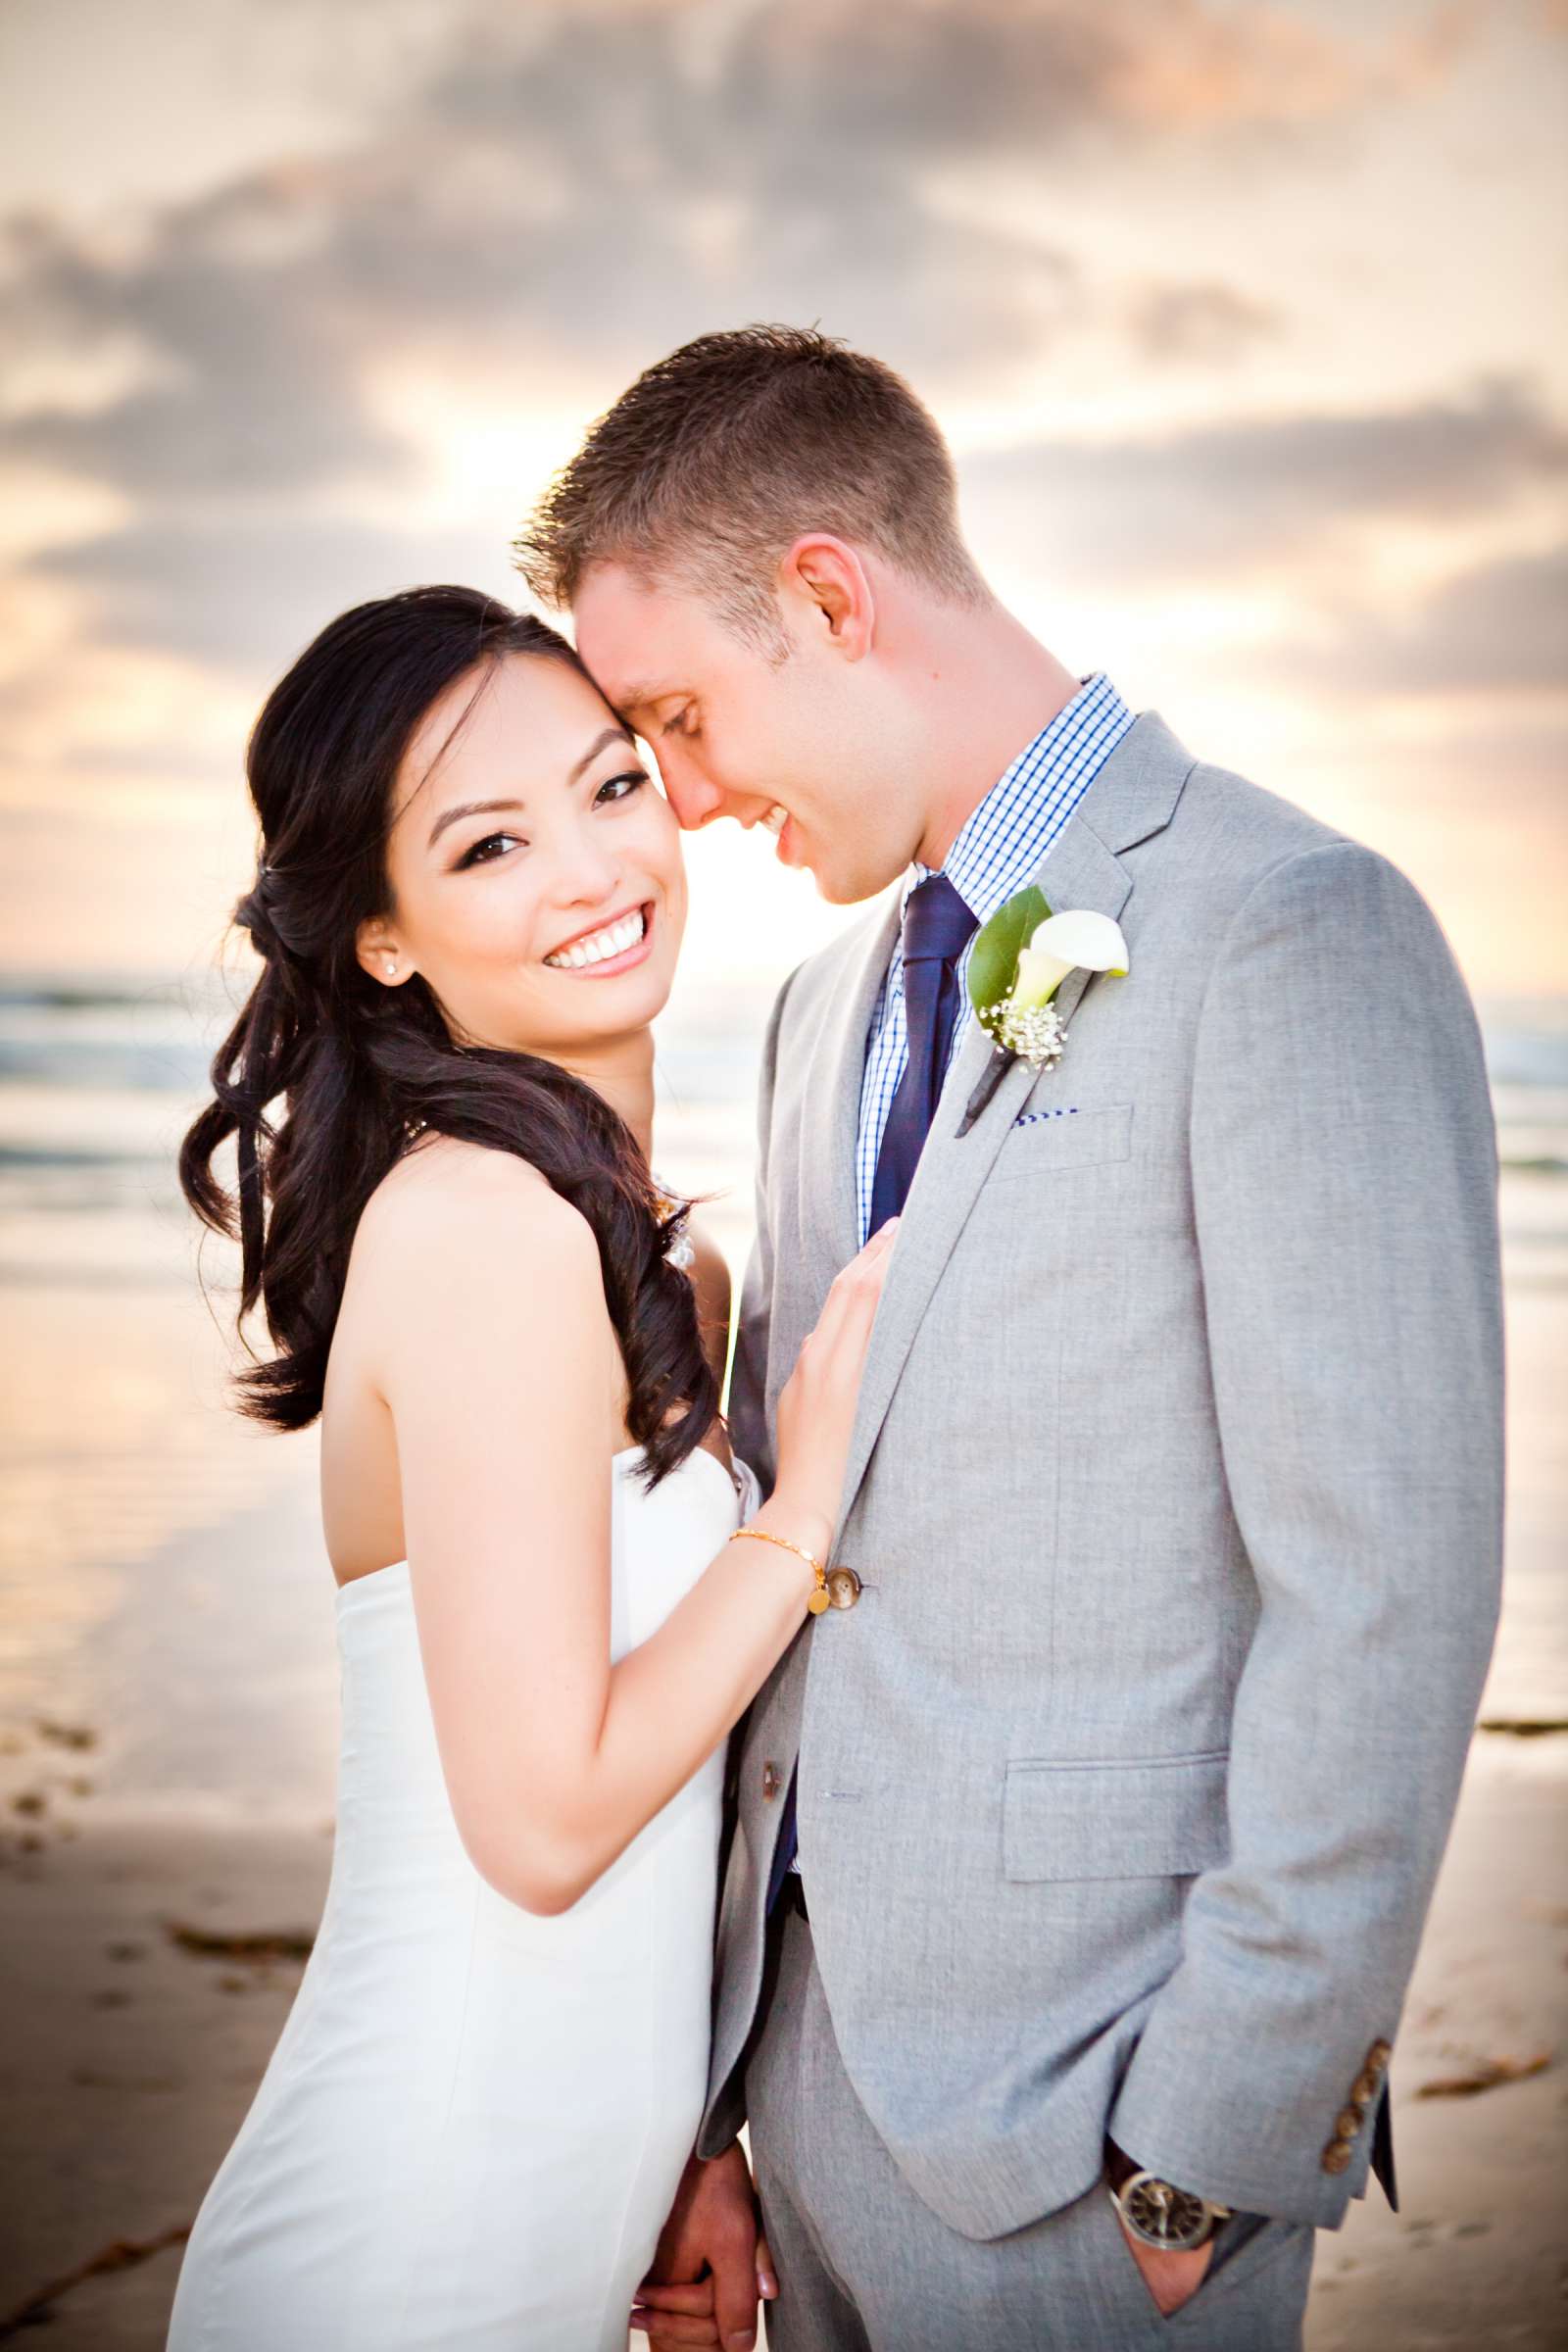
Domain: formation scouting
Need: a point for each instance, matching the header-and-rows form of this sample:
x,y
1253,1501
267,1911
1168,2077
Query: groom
x,y
1082,1851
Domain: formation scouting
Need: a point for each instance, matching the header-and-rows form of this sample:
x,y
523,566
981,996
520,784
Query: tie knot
x,y
937,924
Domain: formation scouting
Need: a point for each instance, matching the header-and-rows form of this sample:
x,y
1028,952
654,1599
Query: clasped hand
x,y
712,2265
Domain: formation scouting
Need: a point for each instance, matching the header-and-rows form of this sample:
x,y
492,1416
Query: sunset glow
x,y
1244,320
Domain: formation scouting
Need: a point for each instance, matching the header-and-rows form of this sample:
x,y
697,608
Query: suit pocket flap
x,y
1153,1817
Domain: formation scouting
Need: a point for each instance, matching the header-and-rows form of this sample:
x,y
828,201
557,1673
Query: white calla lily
x,y
1084,939
1039,975
1065,942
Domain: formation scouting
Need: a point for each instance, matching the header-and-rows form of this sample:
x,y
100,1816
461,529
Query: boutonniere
x,y
1018,961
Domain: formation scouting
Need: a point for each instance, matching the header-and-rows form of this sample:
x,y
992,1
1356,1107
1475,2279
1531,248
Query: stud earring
x,y
391,966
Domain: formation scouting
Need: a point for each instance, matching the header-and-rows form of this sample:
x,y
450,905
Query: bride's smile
x,y
613,947
531,852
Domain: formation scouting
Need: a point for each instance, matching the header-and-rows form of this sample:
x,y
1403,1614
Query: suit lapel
x,y
1078,872
1132,797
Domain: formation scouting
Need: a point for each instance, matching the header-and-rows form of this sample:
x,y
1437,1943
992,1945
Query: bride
x,y
556,1592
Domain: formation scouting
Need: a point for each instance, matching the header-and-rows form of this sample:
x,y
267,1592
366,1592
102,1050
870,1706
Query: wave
x,y
95,1069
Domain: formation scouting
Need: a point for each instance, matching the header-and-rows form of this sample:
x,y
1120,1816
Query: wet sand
x,y
1475,2257
139,2055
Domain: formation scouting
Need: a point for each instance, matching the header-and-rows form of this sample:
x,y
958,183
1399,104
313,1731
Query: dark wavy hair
x,y
327,1075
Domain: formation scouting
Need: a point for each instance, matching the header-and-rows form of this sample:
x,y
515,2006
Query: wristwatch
x,y
1157,2213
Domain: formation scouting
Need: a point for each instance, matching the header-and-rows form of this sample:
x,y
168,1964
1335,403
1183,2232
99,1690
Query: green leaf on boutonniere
x,y
992,969
994,958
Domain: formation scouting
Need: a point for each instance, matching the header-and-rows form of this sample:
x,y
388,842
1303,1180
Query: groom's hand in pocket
x,y
1171,2278
711,2263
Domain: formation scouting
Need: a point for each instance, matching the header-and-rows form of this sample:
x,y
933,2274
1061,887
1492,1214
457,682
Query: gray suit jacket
x,y
1176,1495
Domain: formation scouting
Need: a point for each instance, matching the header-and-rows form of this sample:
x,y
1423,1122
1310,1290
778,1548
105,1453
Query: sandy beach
x,y
150,1955
168,1725
133,2056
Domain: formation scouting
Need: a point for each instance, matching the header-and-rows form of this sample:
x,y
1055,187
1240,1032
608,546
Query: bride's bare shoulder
x,y
448,1201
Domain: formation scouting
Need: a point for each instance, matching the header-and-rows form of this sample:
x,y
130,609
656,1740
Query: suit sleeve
x,y
750,1434
1345,1186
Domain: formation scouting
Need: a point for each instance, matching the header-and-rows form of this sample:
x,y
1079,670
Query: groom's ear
x,y
827,591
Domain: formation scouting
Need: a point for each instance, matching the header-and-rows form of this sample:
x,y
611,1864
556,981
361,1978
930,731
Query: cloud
x,y
560,194
559,203
568,193
1499,628
246,383
1205,323
1220,500
247,598
1271,69
565,195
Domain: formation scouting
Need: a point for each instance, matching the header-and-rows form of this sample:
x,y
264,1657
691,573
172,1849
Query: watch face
x,y
1164,2216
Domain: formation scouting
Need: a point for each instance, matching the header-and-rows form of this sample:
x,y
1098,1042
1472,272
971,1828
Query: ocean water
x,y
162,1584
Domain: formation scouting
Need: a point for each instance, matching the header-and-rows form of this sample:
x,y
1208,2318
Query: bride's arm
x,y
498,1363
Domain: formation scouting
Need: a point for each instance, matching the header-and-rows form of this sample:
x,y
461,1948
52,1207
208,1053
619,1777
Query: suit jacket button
x,y
1337,2156
1378,2056
1347,2122
1364,2089
772,1781
843,1588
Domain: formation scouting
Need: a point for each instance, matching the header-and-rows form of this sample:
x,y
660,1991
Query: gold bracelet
x,y
817,1598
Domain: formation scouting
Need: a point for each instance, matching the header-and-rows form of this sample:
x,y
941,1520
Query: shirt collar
x,y
1003,839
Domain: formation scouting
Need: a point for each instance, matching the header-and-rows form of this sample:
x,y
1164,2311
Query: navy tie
x,y
937,928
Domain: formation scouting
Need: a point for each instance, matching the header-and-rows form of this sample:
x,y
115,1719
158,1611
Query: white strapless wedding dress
x,y
474,2121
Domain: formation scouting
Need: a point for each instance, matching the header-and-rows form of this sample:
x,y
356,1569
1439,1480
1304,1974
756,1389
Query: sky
x,y
1244,320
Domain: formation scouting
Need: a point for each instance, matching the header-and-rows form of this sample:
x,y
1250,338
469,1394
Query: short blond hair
x,y
716,460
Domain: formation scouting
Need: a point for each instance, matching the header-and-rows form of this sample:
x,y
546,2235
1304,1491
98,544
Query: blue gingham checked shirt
x,y
997,850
